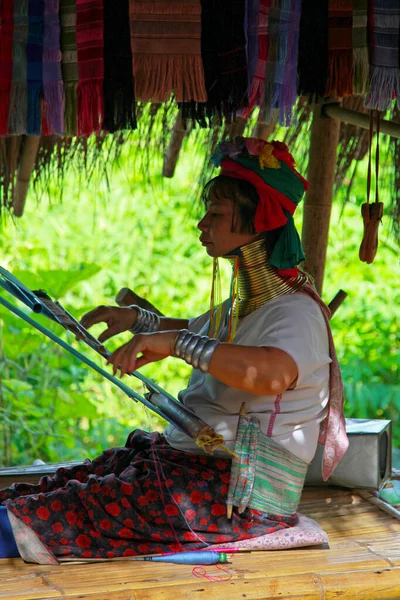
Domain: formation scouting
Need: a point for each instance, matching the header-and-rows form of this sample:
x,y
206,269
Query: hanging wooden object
x,y
371,212
179,132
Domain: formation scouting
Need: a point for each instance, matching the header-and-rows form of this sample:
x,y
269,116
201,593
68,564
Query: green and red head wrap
x,y
269,167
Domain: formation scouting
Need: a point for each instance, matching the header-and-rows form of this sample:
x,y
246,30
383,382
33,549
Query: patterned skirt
x,y
145,498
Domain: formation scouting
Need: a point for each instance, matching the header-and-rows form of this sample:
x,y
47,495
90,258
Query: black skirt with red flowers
x,y
144,498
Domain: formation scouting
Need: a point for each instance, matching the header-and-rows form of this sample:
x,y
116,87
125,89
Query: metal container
x,y
368,460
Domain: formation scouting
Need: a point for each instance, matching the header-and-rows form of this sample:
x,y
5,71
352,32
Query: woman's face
x,y
216,228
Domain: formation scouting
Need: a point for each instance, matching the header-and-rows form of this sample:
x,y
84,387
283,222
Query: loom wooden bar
x,y
362,563
318,200
335,111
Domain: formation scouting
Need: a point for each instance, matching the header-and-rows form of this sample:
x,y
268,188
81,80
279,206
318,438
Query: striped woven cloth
x,y
6,60
360,47
53,86
340,48
69,64
166,50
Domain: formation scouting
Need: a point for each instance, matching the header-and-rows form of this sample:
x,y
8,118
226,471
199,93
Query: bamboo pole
x,y
335,111
318,201
28,159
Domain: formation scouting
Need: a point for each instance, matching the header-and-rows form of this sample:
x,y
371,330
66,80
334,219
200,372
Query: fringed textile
x,y
69,65
223,48
273,54
285,92
34,51
256,92
90,46
53,86
313,48
18,108
166,50
6,60
360,47
340,46
119,99
252,12
384,40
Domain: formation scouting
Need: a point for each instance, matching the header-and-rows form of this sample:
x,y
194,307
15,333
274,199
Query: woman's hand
x,y
117,319
142,349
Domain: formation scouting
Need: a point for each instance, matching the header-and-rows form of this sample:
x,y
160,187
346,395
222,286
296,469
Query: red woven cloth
x,y
141,499
6,60
340,48
90,47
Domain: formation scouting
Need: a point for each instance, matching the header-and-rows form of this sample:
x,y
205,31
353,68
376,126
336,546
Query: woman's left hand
x,y
142,349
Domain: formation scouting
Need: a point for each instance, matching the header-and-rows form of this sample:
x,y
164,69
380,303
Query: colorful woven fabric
x,y
256,92
333,428
119,100
90,46
34,52
285,92
340,48
144,498
272,59
385,50
252,14
69,64
166,50
53,86
265,476
360,47
6,60
313,48
223,48
18,98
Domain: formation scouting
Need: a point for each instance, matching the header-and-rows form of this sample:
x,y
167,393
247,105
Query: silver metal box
x,y
368,460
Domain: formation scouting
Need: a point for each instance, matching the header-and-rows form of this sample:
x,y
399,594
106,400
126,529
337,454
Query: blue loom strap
x,y
128,391
8,547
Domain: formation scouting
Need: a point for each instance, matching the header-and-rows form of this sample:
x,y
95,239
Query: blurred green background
x,y
144,236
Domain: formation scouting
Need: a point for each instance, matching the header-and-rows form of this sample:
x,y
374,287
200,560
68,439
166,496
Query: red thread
x,y
273,416
201,573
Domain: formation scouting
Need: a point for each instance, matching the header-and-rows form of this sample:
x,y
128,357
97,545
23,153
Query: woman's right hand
x,y
117,319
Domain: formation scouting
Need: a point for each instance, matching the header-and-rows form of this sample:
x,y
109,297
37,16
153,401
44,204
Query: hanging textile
x,y
340,47
18,108
166,51
385,47
223,48
34,52
313,48
6,60
256,92
119,100
360,47
53,87
90,45
273,52
285,92
69,64
252,13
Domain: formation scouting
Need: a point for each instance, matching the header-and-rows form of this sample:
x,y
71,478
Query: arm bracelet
x,y
196,350
146,322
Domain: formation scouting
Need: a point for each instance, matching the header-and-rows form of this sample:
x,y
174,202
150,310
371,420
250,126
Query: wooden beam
x,y
335,111
318,201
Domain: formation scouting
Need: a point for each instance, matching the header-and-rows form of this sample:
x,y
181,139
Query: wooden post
x,y
318,201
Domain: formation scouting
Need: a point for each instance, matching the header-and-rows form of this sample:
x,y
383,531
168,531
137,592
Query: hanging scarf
x,y
18,97
90,45
223,48
256,92
53,87
285,93
360,47
385,46
340,46
6,60
34,50
165,38
313,48
272,59
252,12
69,64
119,100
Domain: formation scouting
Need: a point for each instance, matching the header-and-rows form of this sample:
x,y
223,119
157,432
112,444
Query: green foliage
x,y
144,236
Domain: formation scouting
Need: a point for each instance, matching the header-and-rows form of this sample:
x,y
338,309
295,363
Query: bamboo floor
x,y
362,562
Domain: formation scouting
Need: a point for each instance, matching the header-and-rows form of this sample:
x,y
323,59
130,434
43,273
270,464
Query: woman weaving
x,y
267,348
